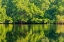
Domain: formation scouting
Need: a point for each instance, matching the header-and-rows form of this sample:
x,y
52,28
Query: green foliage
x,y
30,11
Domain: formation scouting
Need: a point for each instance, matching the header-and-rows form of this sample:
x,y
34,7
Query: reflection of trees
x,y
11,36
18,31
54,33
51,33
60,29
24,33
33,34
30,33
3,31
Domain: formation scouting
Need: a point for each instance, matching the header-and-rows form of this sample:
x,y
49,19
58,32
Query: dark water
x,y
31,33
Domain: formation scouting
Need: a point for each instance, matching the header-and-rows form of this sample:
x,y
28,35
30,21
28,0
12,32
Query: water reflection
x,y
31,33
3,30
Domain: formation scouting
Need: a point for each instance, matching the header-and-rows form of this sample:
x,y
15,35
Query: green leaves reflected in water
x,y
31,33
3,30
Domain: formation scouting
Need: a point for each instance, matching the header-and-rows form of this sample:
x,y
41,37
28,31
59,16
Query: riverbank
x,y
33,23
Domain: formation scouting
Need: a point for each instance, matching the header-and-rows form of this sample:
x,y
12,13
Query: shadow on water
x,y
31,33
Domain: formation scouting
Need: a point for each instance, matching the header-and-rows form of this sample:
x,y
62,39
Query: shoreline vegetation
x,y
32,11
34,23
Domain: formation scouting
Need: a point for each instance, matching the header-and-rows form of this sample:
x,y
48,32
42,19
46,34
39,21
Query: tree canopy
x,y
31,11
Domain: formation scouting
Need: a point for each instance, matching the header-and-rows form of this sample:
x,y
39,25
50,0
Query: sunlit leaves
x,y
61,8
38,11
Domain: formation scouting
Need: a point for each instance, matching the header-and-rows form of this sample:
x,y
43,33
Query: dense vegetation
x,y
31,11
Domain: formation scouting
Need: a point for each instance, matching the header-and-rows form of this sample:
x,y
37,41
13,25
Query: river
x,y
31,33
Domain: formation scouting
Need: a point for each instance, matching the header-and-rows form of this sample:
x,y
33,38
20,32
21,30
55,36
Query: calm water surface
x,y
31,33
